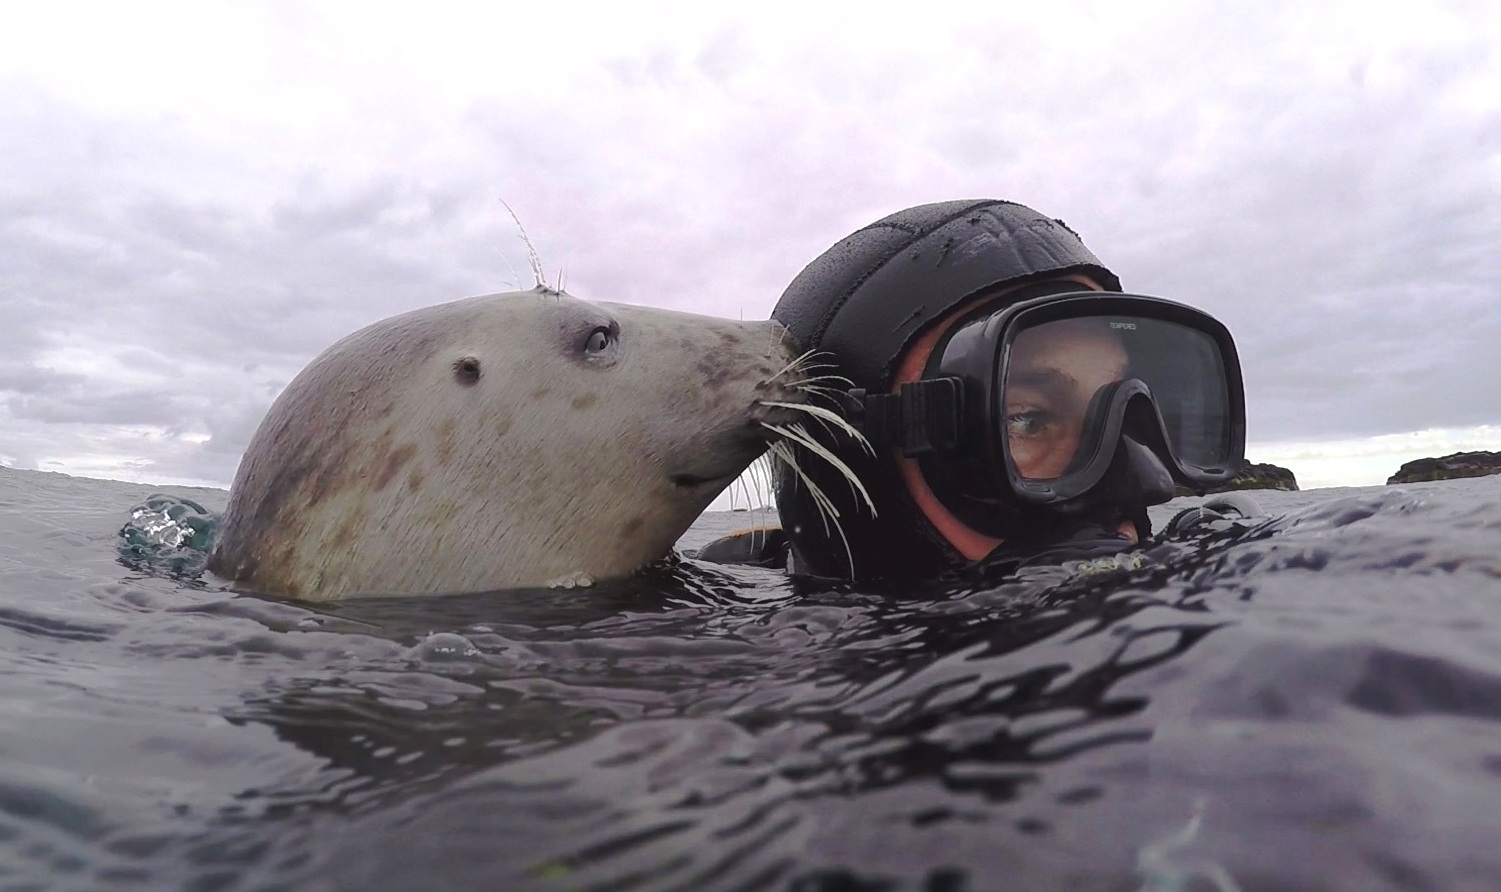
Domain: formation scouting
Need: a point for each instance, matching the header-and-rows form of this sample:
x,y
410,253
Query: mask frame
x,y
952,420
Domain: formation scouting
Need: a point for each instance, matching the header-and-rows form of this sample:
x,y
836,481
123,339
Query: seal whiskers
x,y
827,511
799,435
827,417
533,259
790,435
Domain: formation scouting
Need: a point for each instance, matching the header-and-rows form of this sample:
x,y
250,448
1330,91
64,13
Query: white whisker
x,y
825,505
805,439
758,473
832,379
833,395
531,252
831,417
794,365
807,364
827,510
800,436
824,426
817,359
824,390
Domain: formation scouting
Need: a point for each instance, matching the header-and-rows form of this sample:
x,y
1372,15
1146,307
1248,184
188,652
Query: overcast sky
x,y
196,199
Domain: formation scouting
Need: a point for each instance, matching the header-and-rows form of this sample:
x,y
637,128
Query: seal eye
x,y
600,340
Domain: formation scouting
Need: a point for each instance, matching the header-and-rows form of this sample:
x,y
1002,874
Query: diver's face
x,y
1054,371
969,542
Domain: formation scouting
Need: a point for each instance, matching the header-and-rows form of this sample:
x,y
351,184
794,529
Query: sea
x,y
1304,700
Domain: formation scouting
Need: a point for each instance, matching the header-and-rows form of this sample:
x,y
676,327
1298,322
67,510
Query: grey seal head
x,y
511,440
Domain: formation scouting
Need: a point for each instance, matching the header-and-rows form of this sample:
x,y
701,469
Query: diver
x,y
1017,405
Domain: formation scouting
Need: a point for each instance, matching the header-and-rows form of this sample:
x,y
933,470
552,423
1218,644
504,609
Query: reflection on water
x,y
1307,702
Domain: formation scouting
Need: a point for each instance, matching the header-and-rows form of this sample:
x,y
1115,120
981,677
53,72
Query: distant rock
x,y
1450,467
1254,476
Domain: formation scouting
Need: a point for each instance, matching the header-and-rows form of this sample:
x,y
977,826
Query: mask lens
x,y
1058,372
1185,371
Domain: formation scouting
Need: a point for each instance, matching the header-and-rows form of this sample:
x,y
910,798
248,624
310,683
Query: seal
x,y
504,441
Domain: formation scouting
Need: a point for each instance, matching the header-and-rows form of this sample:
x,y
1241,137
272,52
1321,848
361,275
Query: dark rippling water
x,y
1309,702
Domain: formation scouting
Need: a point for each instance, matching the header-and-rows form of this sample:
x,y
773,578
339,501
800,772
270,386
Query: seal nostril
x,y
466,370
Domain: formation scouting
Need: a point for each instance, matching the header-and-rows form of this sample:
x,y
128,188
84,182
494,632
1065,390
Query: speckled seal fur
x,y
511,440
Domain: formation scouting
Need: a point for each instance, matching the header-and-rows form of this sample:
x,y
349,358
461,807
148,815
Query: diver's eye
x,y
600,340
1025,424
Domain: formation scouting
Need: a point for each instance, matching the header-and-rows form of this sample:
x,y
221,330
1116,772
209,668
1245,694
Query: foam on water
x,y
1310,702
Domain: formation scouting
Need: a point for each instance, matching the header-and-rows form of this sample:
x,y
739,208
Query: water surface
x,y
1308,702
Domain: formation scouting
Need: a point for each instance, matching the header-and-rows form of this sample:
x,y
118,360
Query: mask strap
x,y
920,419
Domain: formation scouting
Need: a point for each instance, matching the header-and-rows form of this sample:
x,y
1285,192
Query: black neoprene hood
x,y
861,304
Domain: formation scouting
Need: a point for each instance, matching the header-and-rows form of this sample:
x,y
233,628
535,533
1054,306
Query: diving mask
x,y
1068,402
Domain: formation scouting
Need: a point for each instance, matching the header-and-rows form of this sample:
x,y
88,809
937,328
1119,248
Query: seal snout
x,y
717,466
778,400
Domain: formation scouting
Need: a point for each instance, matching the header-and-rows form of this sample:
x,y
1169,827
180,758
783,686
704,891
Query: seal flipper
x,y
758,547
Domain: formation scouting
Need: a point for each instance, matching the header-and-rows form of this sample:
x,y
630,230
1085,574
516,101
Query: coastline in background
x,y
1367,461
1371,460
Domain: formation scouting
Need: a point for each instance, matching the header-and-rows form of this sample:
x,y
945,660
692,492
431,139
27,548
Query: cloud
x,y
194,200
